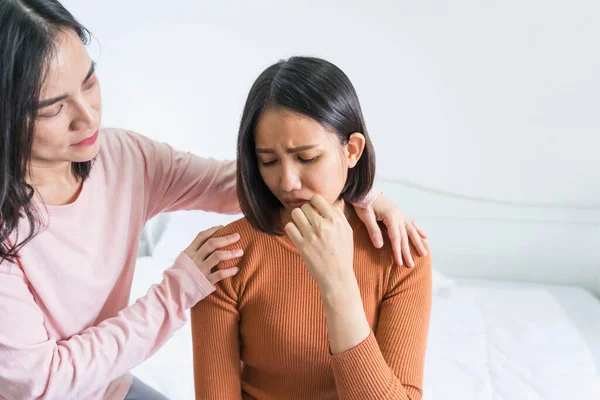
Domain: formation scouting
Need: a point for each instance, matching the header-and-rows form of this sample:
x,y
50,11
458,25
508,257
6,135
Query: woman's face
x,y
298,157
66,129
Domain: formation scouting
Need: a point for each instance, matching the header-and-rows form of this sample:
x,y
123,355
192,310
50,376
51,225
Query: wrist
x,y
342,291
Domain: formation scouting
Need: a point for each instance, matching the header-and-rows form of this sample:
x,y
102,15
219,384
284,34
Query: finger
x,y
415,239
313,217
215,243
322,206
222,274
406,249
202,237
294,234
367,216
394,233
420,231
301,222
218,256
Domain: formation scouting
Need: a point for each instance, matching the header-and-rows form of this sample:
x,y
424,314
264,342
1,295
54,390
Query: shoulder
x,y
255,245
242,226
384,256
120,145
251,239
115,138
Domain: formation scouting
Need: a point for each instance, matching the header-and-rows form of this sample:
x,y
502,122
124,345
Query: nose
x,y
290,179
85,117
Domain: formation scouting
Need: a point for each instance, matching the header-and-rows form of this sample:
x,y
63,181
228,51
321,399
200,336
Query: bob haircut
x,y
314,88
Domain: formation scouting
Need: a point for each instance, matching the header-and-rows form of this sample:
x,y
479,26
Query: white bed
x,y
488,340
510,341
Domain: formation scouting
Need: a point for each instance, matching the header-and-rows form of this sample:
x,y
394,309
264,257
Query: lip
x,y
89,141
296,203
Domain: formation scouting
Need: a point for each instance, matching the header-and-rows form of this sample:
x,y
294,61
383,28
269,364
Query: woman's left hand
x,y
399,229
324,238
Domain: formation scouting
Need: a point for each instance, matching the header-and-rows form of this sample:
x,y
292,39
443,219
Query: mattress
x,y
488,340
579,305
509,340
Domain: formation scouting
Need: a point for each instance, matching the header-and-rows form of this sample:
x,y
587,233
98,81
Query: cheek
x,y
50,137
327,179
268,176
96,98
47,135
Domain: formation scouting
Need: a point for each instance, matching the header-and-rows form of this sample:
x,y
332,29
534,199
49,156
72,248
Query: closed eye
x,y
308,160
89,85
52,115
267,163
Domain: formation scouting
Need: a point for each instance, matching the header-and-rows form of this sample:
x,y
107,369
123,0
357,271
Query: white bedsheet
x,y
579,305
488,340
508,341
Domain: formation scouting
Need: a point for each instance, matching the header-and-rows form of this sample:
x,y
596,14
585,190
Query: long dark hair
x,y
312,87
28,39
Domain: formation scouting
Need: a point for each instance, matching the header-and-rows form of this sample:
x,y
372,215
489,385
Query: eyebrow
x,y
49,102
289,150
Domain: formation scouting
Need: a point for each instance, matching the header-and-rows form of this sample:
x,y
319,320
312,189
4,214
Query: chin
x,y
85,155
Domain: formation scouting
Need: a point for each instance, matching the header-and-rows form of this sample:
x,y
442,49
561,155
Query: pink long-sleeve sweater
x,y
66,331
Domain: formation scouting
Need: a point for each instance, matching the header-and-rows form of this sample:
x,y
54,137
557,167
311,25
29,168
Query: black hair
x,y
317,89
29,32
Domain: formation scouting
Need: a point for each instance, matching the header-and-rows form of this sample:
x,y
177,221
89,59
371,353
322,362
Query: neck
x,y
54,184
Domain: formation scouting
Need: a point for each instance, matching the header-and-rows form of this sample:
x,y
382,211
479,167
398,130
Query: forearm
x,y
347,324
359,368
83,363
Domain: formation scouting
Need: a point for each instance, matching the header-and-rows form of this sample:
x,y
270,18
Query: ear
x,y
355,148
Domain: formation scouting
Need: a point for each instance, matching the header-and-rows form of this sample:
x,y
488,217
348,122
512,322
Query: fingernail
x,y
239,252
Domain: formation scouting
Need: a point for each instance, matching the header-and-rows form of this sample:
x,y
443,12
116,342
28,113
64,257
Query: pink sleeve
x,y
32,365
177,180
369,198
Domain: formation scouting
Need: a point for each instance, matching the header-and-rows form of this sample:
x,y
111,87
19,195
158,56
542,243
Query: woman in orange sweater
x,y
315,311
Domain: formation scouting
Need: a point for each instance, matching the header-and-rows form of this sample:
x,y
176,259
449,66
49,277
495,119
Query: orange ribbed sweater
x,y
262,334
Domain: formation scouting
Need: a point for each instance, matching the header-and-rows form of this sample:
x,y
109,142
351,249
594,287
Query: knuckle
x,y
209,245
313,240
219,275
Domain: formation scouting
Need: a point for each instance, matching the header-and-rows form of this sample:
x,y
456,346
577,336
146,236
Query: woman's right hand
x,y
205,253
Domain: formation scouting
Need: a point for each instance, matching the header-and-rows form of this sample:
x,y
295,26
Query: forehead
x,y
68,65
288,128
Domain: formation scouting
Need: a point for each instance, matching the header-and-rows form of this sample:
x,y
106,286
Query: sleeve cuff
x,y
362,372
368,200
201,285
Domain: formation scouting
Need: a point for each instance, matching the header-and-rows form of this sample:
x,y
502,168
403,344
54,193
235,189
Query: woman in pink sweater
x,y
73,201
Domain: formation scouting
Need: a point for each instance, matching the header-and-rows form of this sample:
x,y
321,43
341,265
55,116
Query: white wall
x,y
491,99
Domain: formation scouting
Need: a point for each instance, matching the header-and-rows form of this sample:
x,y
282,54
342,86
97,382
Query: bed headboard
x,y
480,238
484,238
